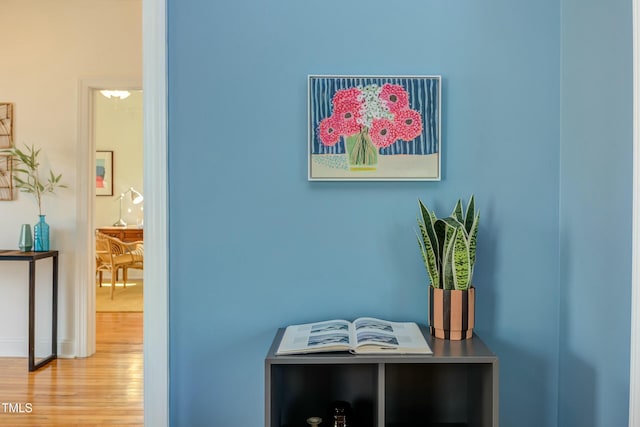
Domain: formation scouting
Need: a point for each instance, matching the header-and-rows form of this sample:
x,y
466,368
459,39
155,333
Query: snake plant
x,y
448,245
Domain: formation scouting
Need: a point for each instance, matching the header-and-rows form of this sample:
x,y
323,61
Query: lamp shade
x,y
136,197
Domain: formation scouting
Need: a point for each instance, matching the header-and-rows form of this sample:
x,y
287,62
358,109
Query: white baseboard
x,y
14,348
65,349
20,348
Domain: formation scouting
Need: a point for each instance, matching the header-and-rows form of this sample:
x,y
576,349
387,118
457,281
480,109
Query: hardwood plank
x,y
105,389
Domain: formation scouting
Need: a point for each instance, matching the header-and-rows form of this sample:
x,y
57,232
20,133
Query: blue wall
x,y
254,246
595,218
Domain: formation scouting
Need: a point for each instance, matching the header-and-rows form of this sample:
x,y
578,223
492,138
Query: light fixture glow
x,y
120,94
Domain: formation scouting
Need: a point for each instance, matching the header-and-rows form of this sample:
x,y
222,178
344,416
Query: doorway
x,y
117,124
156,313
85,324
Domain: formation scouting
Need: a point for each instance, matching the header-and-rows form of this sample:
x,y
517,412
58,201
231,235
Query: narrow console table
x,y
32,257
456,386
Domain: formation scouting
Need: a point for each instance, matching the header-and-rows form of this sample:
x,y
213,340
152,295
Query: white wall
x,y
49,48
118,128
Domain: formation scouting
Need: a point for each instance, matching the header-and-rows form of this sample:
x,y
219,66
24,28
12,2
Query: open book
x,y
364,335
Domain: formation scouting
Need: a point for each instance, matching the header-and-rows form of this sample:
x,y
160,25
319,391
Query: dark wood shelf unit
x,y
456,386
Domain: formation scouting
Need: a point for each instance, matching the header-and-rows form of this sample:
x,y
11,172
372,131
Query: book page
x,y
311,337
374,331
381,334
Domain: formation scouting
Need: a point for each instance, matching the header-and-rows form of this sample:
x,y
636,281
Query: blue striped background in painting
x,y
423,97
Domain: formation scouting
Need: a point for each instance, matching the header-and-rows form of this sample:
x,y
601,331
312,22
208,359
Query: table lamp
x,y
136,198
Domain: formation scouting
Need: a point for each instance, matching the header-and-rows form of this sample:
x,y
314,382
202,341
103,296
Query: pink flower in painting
x,y
380,114
350,95
394,97
329,130
347,113
408,124
382,133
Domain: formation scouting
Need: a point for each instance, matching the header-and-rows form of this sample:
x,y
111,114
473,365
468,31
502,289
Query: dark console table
x,y
32,257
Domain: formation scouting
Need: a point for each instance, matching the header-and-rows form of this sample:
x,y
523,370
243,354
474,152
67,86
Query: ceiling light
x,y
120,94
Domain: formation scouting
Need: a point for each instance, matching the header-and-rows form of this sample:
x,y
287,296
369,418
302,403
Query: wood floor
x,y
105,389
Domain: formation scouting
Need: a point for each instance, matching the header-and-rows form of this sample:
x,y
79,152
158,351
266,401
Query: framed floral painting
x,y
380,128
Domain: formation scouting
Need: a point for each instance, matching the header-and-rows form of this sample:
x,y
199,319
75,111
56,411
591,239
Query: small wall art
x,y
6,177
104,173
6,125
374,128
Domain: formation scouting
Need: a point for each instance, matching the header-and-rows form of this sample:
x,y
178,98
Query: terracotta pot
x,y
451,313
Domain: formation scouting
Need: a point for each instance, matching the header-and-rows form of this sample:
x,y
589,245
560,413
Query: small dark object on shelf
x,y
341,413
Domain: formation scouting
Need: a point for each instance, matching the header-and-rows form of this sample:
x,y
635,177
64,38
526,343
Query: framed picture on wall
x,y
104,173
6,177
374,128
6,124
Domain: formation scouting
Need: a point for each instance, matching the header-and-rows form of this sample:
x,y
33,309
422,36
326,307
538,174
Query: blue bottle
x,y
41,235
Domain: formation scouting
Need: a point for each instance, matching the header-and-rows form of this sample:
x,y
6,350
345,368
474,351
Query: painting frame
x,y
6,177
104,173
6,125
374,127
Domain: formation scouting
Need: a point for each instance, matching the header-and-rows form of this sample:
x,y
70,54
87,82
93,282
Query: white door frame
x,y
634,372
156,313
156,213
85,293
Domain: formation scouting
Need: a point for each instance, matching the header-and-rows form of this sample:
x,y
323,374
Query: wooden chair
x,y
136,249
103,258
113,254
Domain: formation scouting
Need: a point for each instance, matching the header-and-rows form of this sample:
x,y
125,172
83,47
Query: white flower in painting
x,y
372,106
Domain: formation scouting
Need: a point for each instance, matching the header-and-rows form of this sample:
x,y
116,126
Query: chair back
x,y
103,252
114,251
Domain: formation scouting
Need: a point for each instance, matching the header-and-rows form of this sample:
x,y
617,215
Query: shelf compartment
x,y
302,391
429,425
443,394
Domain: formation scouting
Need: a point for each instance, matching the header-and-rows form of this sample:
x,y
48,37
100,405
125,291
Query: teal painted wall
x,y
595,214
254,246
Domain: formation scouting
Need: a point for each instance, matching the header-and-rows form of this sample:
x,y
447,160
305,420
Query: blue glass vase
x,y
41,235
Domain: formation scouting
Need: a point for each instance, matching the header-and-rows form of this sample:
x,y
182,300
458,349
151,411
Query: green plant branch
x,y
27,175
